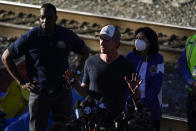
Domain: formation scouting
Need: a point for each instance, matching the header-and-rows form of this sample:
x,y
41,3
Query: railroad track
x,y
171,55
73,19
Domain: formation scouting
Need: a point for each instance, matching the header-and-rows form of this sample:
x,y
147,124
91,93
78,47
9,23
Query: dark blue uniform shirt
x,y
46,57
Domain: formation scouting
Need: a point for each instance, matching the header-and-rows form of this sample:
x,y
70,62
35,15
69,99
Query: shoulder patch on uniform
x,y
61,44
160,68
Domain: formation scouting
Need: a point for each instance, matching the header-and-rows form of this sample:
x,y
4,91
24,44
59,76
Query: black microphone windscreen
x,y
89,100
83,103
102,99
87,97
77,105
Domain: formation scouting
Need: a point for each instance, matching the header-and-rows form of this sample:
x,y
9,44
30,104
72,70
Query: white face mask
x,y
140,45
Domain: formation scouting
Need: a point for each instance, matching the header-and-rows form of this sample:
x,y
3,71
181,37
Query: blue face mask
x,y
140,45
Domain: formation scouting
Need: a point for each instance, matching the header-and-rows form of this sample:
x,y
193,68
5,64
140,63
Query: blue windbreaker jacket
x,y
154,78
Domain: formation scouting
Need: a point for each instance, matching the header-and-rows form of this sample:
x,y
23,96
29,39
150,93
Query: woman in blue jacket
x,y
150,66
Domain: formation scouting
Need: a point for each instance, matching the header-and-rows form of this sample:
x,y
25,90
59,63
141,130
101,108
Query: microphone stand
x,y
134,104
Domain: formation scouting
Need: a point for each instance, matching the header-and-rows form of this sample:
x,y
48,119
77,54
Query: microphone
x,y
102,104
88,105
89,101
77,109
84,102
87,110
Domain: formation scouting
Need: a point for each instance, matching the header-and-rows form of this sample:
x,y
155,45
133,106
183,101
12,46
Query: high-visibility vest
x,y
191,55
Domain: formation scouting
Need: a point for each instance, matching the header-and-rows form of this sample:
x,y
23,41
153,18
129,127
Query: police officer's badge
x,y
153,69
61,44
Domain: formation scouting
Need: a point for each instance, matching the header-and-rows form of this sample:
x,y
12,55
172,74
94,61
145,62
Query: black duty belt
x,y
44,90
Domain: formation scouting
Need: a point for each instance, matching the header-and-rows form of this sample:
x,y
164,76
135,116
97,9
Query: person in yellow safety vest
x,y
187,70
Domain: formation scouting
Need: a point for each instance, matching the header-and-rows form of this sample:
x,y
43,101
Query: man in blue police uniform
x,y
46,49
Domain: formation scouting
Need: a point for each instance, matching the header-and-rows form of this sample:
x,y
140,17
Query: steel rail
x,y
170,123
